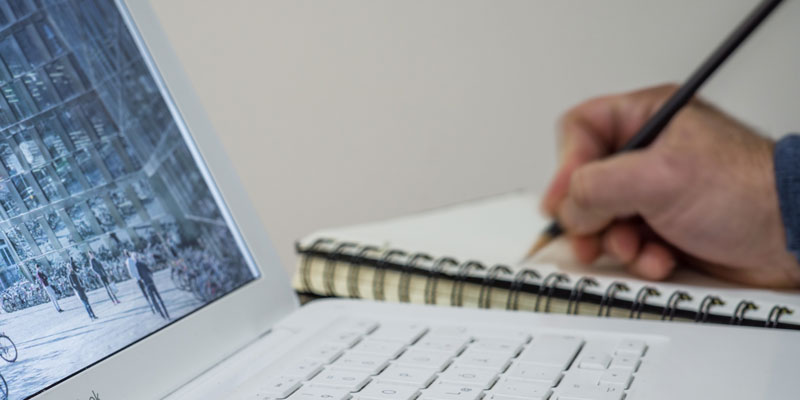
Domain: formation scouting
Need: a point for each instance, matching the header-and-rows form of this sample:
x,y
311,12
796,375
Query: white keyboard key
x,y
313,392
458,331
523,389
492,396
386,348
386,390
589,392
496,361
350,380
424,358
461,374
361,362
365,326
553,350
617,377
303,369
452,345
534,372
626,363
410,375
450,391
325,352
631,347
278,387
594,360
581,377
406,332
494,333
612,390
346,338
505,346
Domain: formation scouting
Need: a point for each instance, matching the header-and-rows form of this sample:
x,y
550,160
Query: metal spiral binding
x,y
640,300
355,268
775,315
329,270
672,304
577,293
549,283
347,251
609,296
306,266
705,307
738,314
512,302
457,294
485,296
433,277
405,276
380,273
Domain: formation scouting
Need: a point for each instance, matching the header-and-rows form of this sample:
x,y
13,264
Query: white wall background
x,y
338,112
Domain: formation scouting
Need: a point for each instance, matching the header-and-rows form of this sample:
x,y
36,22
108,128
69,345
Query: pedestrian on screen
x,y
75,282
97,268
45,282
130,263
146,275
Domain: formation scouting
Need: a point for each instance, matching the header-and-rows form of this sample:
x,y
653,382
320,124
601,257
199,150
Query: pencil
x,y
656,123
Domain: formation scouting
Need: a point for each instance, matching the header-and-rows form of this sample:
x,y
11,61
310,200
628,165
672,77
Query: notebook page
x,y
501,229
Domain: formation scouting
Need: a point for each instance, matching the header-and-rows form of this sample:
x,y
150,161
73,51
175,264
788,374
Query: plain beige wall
x,y
337,112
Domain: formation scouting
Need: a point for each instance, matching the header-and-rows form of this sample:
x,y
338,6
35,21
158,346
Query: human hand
x,y
702,194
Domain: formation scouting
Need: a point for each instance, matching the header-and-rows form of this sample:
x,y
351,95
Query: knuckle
x,y
671,173
562,125
669,168
658,93
569,119
670,86
593,104
578,113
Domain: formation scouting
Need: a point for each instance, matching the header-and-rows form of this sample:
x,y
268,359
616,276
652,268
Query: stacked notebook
x,y
471,255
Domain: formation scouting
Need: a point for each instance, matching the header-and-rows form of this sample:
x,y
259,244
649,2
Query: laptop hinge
x,y
216,371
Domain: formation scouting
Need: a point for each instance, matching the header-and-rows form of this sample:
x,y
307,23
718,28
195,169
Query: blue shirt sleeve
x,y
787,179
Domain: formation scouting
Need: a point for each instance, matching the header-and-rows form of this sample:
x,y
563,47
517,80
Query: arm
x,y
787,178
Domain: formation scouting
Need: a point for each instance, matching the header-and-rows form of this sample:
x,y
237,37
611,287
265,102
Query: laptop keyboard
x,y
364,360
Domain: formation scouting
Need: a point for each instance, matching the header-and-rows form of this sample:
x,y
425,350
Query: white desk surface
x,y
337,112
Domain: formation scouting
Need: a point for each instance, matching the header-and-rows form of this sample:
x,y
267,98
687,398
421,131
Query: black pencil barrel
x,y
661,118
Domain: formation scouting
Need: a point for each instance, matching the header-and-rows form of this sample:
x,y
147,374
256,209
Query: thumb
x,y
617,187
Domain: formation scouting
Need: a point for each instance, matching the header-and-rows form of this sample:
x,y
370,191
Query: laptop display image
x,y
108,229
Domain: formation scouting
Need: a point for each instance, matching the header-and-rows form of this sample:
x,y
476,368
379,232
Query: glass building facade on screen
x,y
90,157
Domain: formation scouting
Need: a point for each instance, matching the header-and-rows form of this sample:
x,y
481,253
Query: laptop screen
x,y
109,229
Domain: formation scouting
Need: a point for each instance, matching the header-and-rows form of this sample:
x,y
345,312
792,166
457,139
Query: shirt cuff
x,y
787,180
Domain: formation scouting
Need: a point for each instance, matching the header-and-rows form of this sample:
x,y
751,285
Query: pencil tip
x,y
543,241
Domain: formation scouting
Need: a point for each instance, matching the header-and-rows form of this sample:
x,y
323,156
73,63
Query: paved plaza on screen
x,y
52,345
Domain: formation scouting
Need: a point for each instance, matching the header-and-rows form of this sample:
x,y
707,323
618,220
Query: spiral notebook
x,y
470,254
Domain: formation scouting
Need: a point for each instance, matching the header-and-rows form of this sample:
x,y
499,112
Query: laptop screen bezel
x,y
169,357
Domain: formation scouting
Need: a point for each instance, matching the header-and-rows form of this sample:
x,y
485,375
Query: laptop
x,y
132,265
